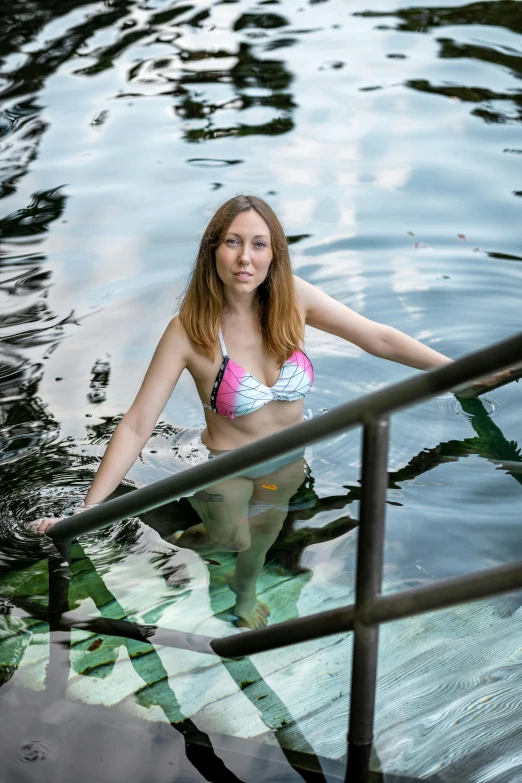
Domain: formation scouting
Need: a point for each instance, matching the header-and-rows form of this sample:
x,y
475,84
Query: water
x,y
388,141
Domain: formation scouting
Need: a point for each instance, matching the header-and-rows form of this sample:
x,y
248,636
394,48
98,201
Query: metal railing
x,y
370,607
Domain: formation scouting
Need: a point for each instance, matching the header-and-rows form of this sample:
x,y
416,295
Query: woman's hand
x,y
43,524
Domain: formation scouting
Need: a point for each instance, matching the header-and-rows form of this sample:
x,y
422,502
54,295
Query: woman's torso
x,y
244,346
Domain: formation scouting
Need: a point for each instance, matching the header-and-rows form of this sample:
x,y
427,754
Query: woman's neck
x,y
241,307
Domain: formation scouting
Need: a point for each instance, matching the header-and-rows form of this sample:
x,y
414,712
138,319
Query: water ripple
x,y
495,407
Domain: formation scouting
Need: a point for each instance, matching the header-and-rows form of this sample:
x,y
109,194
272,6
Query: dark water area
x,y
388,140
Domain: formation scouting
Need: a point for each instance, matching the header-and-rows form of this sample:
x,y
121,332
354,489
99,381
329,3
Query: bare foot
x,y
250,612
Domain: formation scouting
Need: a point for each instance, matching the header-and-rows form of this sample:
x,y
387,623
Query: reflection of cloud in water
x,y
407,276
392,179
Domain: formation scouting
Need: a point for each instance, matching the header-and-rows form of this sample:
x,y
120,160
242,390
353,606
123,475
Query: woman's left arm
x,y
323,312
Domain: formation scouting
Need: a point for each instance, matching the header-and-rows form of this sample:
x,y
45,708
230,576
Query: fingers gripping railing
x,y
370,608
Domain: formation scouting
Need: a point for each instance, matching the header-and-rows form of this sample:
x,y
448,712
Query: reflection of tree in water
x,y
30,457
102,430
185,76
20,130
23,22
21,127
34,219
489,443
502,14
497,13
181,72
249,72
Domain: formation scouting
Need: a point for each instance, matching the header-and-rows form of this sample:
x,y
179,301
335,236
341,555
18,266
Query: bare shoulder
x,y
177,337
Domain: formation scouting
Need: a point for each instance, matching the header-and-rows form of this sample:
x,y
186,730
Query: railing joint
x,y
363,613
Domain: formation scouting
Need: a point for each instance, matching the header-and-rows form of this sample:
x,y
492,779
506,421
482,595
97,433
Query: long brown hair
x,y
200,314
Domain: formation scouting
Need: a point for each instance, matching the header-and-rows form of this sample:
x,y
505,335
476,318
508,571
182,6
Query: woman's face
x,y
243,257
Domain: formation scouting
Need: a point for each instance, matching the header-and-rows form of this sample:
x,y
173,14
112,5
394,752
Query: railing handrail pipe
x,y
372,406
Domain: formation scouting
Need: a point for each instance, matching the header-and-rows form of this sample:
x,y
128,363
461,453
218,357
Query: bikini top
x,y
236,392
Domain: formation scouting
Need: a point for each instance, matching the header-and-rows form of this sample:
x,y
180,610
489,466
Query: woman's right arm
x,y
135,428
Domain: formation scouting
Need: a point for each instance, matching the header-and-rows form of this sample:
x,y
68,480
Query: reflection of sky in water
x,y
380,180
377,146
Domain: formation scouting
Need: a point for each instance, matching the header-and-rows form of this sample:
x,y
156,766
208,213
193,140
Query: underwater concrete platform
x,y
446,679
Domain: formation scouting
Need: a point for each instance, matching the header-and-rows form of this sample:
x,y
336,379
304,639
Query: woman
x,y
239,333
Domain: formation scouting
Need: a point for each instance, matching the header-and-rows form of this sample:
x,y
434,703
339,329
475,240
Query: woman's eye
x,y
261,244
231,240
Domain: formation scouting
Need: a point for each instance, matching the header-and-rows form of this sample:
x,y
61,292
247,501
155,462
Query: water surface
x,y
387,138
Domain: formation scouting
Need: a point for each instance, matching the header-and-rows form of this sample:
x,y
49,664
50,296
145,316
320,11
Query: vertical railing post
x,y
370,551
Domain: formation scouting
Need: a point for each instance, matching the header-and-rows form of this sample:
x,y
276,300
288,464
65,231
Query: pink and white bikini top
x,y
236,392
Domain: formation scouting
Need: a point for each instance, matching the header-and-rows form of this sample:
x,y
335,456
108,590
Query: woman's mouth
x,y
242,275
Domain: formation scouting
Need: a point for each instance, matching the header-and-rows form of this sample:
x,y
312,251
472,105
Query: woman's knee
x,y
236,540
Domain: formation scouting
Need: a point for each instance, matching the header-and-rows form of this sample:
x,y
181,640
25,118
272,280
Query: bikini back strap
x,y
222,344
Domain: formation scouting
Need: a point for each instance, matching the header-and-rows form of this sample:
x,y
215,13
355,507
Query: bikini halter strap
x,y
222,344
